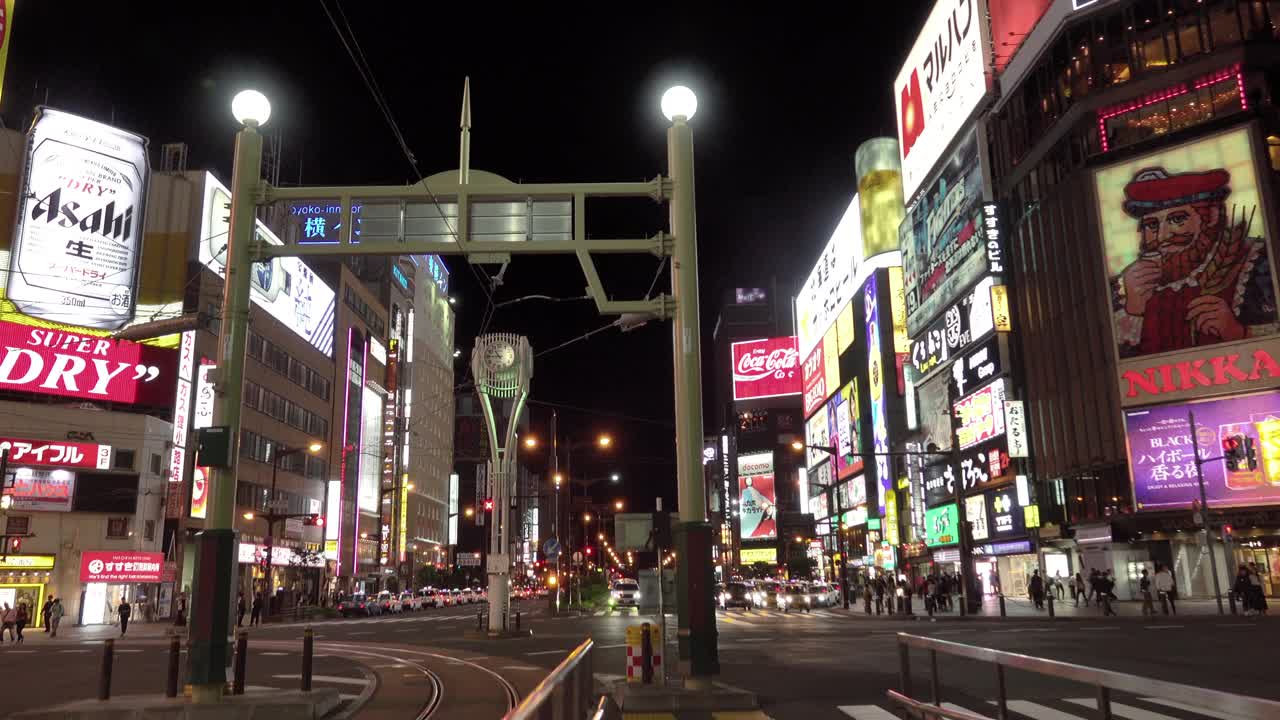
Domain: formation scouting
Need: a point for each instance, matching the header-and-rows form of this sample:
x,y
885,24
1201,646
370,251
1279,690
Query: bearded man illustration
x,y
1199,278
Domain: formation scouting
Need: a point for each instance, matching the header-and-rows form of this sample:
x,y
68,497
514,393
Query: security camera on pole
x,y
502,365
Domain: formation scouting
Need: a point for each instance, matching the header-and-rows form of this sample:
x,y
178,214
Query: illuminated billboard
x,y
877,391
832,282
942,82
55,362
286,288
844,410
757,501
764,368
57,453
1161,459
41,489
751,556
981,415
813,375
1185,241
942,525
78,236
817,435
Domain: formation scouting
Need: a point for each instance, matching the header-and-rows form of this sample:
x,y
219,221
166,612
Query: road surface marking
x,y
1122,710
393,665
10,652
547,652
128,650
275,653
955,632
867,712
347,696
522,668
335,679
607,679
1038,711
1094,627
610,647
361,632
1236,625
1162,627
1192,708
73,651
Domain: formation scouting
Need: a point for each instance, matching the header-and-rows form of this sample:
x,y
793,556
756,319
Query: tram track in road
x,y
438,701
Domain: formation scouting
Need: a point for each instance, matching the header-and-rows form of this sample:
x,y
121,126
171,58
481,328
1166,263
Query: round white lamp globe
x,y
251,107
679,101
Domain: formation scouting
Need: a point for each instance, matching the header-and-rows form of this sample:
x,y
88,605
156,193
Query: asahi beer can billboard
x,y
78,237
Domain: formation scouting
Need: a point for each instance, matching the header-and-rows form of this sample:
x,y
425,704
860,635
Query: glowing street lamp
x,y
531,442
604,441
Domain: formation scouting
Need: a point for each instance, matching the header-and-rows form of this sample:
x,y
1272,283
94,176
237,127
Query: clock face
x,y
500,356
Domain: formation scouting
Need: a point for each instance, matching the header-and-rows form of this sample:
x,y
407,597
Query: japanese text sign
x,y
120,566
54,453
981,415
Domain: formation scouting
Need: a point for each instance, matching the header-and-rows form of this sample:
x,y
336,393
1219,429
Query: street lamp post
x,y
215,551
697,629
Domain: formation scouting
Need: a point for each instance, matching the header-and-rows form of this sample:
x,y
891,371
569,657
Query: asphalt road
x,y
825,664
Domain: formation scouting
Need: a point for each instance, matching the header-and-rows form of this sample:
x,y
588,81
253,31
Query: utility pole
x,y
966,592
1204,509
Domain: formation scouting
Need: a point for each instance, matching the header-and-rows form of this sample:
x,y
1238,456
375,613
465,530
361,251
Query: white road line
x,y
521,668
10,652
1094,627
548,652
73,651
1038,711
393,665
1122,710
128,650
274,653
955,632
1162,627
335,679
610,647
866,712
1192,708
362,632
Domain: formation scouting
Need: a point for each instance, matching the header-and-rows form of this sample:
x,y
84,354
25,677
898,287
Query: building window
x,y
124,460
118,527
157,464
149,530
17,525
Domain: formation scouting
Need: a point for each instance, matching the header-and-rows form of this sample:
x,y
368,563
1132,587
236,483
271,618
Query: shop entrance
x,y
102,599
988,571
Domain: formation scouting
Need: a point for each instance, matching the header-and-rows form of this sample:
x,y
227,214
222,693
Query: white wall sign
x,y
203,415
78,235
832,282
944,79
1016,427
975,509
286,288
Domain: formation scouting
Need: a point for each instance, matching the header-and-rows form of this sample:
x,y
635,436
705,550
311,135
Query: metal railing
x,y
1104,682
565,694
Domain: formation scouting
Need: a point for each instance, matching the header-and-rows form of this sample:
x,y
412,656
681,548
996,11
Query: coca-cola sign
x,y
53,362
766,368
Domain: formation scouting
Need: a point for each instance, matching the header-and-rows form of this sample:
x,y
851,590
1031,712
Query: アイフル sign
x,y
56,453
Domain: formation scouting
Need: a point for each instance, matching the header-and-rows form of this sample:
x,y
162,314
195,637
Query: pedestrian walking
x,y
54,616
1256,594
1241,589
1166,589
1035,587
20,622
180,618
125,611
1095,581
240,609
8,621
879,585
1058,585
44,612
1077,589
1144,587
255,613
1107,583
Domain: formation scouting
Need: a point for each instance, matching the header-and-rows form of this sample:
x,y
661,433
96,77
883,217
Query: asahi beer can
x,y
78,238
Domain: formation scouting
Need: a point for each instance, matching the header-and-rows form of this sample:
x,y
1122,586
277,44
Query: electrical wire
x,y
580,338
366,75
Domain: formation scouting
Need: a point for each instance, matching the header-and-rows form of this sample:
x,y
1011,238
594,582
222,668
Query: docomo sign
x,y
943,80
53,362
57,454
766,368
113,566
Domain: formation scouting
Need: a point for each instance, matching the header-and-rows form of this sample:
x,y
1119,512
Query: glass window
x,y
1224,25
118,527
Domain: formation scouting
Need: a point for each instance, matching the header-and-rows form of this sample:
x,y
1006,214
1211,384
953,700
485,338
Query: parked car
x,y
737,594
410,601
359,604
795,596
432,598
388,602
625,593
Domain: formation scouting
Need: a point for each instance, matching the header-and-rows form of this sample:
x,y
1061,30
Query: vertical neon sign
x,y
875,377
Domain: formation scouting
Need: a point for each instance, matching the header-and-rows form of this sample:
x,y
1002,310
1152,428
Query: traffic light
x,y
313,520
588,551
488,504
1233,451
1250,453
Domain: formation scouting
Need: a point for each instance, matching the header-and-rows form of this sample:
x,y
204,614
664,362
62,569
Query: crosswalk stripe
x,y
867,712
1192,708
1038,711
1122,710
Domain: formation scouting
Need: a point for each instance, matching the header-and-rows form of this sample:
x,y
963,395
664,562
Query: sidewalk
x,y
1023,609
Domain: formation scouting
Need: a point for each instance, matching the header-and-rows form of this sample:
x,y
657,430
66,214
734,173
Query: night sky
x,y
558,94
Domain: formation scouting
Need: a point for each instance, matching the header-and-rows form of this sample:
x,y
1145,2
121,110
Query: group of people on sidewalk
x,y
14,620
1249,591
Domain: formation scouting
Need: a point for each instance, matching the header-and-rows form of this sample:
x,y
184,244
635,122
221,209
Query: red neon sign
x,y
52,453
54,362
766,368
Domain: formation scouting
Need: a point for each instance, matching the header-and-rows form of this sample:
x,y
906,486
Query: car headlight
x,y
637,595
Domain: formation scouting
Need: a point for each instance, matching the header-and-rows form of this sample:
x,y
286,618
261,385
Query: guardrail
x,y
566,693
1104,683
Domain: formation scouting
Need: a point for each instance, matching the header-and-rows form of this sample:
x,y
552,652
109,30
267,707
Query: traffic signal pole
x,y
1204,509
